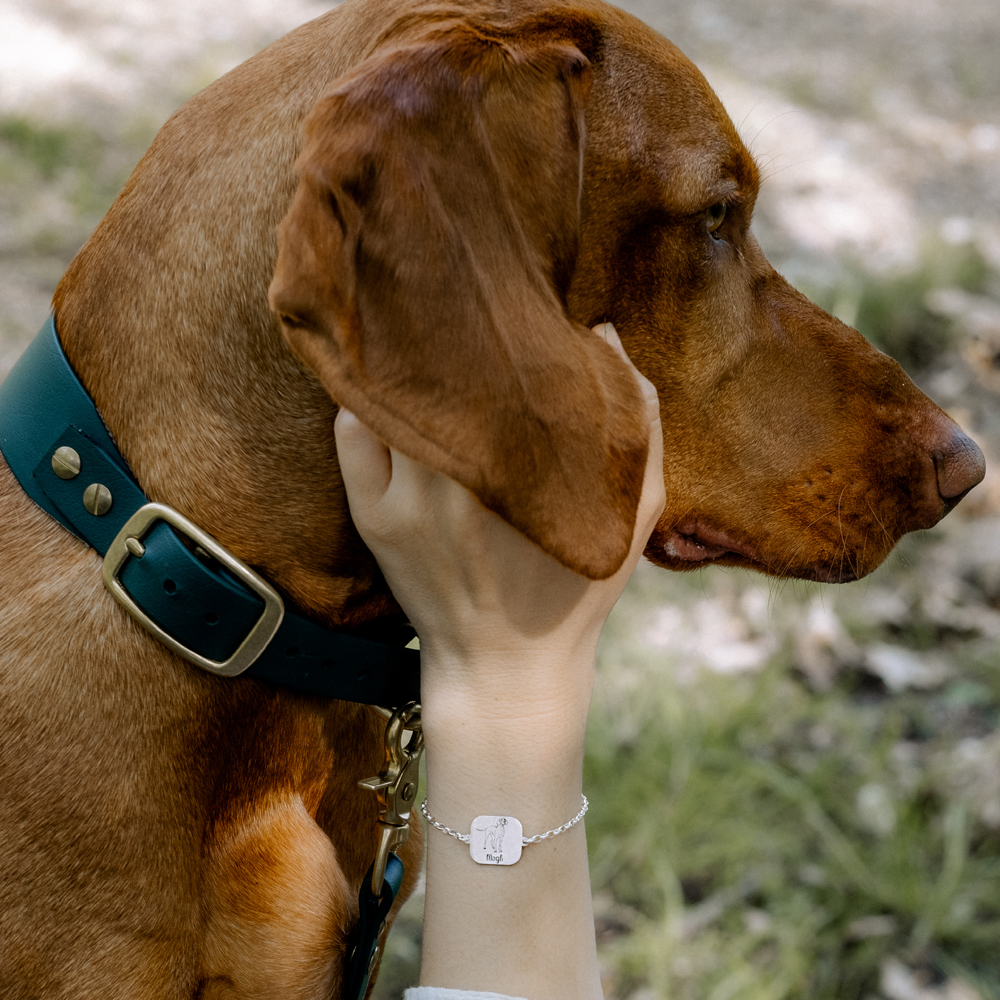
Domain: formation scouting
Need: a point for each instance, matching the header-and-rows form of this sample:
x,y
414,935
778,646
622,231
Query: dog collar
x,y
176,580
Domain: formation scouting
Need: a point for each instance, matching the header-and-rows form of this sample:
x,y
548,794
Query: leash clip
x,y
396,785
396,788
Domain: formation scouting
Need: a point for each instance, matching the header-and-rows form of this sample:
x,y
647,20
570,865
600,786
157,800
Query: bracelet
x,y
497,840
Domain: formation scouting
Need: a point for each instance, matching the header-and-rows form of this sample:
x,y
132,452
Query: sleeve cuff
x,y
437,993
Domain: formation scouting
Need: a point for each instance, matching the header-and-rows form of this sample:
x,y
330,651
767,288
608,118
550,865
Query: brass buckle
x,y
134,530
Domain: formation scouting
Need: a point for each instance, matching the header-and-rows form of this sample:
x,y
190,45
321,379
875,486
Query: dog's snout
x,y
959,466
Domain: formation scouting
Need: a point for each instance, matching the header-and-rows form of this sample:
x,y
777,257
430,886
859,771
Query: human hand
x,y
487,603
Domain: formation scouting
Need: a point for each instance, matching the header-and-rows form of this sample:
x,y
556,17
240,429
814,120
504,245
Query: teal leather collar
x,y
196,601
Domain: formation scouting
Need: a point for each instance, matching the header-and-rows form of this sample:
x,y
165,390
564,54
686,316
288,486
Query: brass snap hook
x,y
396,786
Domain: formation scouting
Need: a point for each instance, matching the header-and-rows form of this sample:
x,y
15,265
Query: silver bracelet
x,y
497,840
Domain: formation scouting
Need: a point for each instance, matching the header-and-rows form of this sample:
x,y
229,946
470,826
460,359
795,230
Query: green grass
x,y
892,312
770,841
47,149
81,164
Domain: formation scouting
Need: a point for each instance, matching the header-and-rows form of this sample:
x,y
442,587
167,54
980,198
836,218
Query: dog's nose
x,y
959,465
950,464
953,464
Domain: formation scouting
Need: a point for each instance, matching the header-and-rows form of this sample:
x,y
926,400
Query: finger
x,y
608,333
652,400
412,481
654,493
653,497
365,461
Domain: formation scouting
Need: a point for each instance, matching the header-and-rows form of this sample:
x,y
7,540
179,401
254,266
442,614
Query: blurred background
x,y
795,788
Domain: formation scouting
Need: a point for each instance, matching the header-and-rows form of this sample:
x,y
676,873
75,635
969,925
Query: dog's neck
x,y
241,442
163,315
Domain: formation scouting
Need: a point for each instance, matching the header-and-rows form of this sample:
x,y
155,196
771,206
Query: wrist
x,y
538,688
505,734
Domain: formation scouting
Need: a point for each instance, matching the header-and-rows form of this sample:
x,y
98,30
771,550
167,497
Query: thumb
x,y
365,462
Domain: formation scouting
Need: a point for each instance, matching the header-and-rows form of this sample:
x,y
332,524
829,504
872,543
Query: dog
x,y
416,209
493,839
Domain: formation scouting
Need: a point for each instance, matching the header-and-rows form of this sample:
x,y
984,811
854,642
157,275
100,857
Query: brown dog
x,y
475,185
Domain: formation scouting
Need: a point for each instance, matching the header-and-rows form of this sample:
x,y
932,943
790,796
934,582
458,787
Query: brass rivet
x,y
66,463
135,546
409,790
97,499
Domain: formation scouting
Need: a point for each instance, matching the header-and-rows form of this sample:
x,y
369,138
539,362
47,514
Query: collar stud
x,y
66,463
97,499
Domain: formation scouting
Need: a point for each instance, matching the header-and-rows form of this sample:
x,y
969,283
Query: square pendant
x,y
495,840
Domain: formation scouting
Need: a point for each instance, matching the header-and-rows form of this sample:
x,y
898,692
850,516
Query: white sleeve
x,y
436,993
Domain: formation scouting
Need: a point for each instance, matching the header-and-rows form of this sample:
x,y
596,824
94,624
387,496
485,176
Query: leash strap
x,y
396,788
363,947
182,585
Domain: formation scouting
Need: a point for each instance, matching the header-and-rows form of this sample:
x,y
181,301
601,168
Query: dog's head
x,y
474,196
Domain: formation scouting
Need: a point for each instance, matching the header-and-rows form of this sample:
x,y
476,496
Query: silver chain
x,y
464,837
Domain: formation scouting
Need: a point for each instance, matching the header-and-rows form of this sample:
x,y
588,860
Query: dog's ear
x,y
422,271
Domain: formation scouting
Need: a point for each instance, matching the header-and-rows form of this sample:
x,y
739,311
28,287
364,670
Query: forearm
x,y
524,929
508,636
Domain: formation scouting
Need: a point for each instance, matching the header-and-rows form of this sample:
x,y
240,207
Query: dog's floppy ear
x,y
421,274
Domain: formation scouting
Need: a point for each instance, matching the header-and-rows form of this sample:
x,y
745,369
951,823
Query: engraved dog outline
x,y
494,835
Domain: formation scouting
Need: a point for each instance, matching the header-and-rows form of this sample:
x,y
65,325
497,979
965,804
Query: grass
x,y
80,167
892,312
753,837
47,149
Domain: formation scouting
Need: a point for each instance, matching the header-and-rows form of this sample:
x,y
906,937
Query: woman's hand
x,y
482,597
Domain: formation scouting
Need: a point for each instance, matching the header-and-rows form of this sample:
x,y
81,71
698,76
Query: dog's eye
x,y
714,217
